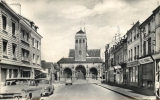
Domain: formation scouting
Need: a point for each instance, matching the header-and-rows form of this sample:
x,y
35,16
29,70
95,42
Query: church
x,y
81,63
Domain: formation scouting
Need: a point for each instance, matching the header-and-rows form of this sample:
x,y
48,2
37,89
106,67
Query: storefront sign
x,y
145,60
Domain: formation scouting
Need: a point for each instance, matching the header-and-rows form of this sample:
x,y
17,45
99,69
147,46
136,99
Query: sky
x,y
59,20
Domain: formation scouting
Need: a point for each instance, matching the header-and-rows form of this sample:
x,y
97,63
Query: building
x,y
143,54
116,62
19,57
133,51
82,63
147,68
50,69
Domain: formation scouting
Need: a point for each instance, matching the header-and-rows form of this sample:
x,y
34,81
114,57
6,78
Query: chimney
x,y
16,7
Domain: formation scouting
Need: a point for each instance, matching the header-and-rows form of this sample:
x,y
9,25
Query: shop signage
x,y
145,60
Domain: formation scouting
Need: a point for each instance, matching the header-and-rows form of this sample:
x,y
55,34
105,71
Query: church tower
x,y
80,46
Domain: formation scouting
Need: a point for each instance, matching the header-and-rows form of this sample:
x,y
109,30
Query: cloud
x,y
80,11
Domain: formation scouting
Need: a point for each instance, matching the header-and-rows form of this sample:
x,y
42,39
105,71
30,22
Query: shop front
x,y
147,72
132,68
111,75
118,74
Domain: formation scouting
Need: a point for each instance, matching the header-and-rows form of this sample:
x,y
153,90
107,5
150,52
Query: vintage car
x,y
21,87
68,81
47,86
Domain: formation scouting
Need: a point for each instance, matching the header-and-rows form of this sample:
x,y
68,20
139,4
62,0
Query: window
x,y
4,48
13,28
149,27
80,52
149,46
25,55
131,54
14,50
38,60
4,21
76,41
83,40
134,74
79,40
144,48
138,51
33,59
25,35
33,42
135,52
37,45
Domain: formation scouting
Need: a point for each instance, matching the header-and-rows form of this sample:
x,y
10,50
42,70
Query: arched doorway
x,y
94,73
67,73
80,72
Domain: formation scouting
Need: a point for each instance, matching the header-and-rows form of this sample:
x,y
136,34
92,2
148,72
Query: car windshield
x,y
43,81
19,82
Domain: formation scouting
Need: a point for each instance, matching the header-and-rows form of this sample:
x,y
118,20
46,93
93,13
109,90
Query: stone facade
x,y
82,63
16,52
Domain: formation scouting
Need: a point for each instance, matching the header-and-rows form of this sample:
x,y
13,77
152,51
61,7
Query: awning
x,y
145,60
43,71
117,67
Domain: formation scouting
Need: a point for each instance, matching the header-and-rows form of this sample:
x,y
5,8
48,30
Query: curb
x,y
131,97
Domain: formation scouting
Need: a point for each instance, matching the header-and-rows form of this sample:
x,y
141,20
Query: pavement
x,y
129,92
84,91
58,84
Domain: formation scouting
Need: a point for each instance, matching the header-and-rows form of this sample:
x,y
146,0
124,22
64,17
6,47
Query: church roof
x,y
88,60
90,52
93,52
80,32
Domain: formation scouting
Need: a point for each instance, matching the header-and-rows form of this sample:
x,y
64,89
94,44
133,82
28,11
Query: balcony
x,y
25,41
25,60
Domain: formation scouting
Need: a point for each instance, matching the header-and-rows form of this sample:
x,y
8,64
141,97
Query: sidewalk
x,y
129,92
58,83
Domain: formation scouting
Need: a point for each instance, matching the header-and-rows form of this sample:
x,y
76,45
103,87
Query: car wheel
x,y
52,92
30,95
71,83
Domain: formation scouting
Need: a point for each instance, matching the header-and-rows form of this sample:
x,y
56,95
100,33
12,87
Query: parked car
x,y
21,87
68,81
47,86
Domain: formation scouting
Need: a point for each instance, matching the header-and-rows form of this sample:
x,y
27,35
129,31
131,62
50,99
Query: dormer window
x,y
36,27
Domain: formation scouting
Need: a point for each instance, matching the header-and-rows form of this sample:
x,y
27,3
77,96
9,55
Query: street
x,y
85,91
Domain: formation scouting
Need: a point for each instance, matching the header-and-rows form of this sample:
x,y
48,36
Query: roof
x,y
146,21
133,27
88,60
90,52
93,53
71,53
80,32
